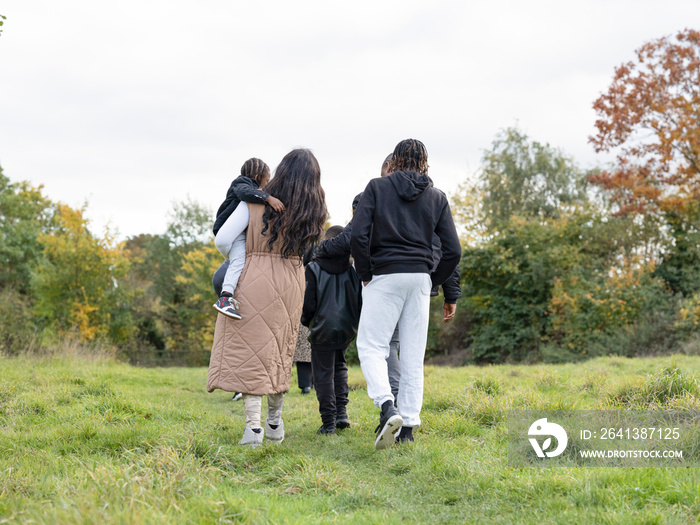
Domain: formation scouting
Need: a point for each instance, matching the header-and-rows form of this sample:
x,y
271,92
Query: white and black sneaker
x,y
227,305
390,422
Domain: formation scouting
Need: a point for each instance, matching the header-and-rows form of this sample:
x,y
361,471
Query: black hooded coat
x,y
393,227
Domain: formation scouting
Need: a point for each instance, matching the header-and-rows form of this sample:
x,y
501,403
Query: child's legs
x,y
236,224
236,258
274,408
323,364
252,406
230,241
341,382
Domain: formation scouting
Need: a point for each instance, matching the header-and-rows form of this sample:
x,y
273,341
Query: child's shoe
x,y
237,396
342,421
253,437
227,305
326,430
274,432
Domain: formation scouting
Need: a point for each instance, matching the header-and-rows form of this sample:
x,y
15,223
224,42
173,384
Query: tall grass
x,y
96,441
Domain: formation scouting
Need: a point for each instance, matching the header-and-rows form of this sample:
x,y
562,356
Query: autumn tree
x,y
651,116
76,282
170,279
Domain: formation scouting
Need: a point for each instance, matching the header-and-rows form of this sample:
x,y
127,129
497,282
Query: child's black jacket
x,y
241,189
332,303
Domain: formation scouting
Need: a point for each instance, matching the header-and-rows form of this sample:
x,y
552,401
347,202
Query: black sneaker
x,y
342,421
405,435
237,396
326,430
306,390
390,421
227,306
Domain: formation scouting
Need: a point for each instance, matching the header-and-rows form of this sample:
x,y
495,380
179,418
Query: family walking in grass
x,y
404,244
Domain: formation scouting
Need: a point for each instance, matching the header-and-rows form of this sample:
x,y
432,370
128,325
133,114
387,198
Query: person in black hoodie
x,y
392,245
246,187
451,289
332,304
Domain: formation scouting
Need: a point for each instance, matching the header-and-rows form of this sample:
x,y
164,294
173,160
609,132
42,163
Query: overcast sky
x,y
133,105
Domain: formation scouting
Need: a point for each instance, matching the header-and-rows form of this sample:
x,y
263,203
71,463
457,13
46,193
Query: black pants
x,y
304,374
331,382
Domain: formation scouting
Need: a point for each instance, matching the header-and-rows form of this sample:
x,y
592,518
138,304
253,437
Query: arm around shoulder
x,y
309,308
361,232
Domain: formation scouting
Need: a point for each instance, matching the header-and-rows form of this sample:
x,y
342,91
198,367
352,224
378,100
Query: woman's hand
x,y
275,203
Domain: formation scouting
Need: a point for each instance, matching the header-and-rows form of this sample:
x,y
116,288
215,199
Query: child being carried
x,y
254,174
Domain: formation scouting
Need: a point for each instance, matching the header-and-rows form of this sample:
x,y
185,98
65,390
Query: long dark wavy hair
x,y
297,183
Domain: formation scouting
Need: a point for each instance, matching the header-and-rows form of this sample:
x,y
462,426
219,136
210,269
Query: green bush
x,y
17,330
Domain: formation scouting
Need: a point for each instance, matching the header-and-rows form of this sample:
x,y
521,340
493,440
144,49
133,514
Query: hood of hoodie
x,y
409,184
334,265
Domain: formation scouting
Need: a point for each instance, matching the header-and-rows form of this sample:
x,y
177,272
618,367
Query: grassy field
x,y
102,442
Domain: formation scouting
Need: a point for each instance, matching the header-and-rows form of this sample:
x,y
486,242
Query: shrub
x,y
17,330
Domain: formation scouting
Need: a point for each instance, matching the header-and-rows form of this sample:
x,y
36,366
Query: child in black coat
x,y
254,174
332,304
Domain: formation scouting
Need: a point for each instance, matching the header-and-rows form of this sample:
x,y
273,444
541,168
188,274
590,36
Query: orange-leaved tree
x,y
76,283
651,112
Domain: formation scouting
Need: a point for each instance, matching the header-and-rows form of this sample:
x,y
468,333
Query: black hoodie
x,y
393,226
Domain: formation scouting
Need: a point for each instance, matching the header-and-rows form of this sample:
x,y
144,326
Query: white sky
x,y
133,105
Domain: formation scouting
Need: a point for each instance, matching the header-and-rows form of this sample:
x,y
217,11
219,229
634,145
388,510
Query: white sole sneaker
x,y
228,313
275,435
386,438
252,439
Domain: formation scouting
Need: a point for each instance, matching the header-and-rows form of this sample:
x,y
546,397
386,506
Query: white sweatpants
x,y
402,298
230,241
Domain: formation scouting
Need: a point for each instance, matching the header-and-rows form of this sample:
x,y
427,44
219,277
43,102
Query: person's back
x,y
336,312
254,355
332,305
245,188
404,211
392,244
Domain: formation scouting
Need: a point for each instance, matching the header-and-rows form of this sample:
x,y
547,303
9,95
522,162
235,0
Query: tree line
x,y
558,264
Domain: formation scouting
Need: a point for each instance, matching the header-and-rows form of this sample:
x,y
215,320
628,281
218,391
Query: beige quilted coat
x,y
254,355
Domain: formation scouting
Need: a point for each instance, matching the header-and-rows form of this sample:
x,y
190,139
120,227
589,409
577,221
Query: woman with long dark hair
x,y
254,355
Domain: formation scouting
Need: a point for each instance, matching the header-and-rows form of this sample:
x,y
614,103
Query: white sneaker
x,y
252,439
274,434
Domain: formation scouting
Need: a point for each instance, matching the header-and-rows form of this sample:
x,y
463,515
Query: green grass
x,y
102,442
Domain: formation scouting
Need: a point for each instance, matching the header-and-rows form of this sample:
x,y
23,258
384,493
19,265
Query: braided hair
x,y
255,169
297,183
410,155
